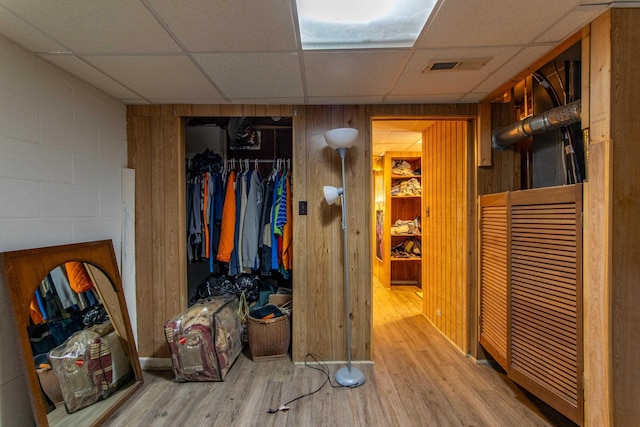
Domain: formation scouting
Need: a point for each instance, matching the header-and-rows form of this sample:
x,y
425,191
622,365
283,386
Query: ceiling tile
x,y
381,148
26,35
414,81
179,78
353,73
189,101
417,146
405,125
344,100
473,97
253,75
402,137
81,69
398,135
227,26
114,26
272,100
570,24
443,98
135,101
521,61
248,50
492,22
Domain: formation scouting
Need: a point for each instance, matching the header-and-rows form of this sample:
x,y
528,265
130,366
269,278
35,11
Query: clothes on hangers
x,y
252,220
66,289
228,220
239,221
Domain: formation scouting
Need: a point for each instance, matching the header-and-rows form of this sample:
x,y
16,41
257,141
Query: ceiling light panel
x,y
361,24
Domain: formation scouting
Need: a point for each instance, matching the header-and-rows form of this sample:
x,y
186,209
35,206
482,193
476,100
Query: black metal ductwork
x,y
565,115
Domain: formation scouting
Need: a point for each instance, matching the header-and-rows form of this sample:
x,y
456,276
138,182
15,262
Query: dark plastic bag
x,y
95,315
215,285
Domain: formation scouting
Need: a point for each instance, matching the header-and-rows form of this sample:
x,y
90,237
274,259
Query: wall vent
x,y
466,64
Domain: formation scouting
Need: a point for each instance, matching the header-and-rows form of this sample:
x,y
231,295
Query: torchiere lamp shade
x,y
341,137
331,194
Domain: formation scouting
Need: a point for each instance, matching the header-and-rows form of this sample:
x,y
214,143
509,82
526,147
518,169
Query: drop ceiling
x,y
248,51
398,135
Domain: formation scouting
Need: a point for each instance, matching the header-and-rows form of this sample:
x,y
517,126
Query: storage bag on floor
x,y
84,365
205,339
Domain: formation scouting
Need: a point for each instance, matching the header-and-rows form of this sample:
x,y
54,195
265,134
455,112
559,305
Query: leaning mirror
x,y
80,358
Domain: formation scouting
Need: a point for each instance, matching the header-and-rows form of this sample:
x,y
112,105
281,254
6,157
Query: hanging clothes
x,y
205,213
235,265
68,298
277,200
238,220
265,226
287,232
215,218
37,316
251,227
195,224
228,221
79,279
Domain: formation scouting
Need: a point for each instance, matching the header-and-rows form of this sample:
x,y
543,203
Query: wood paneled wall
x,y
319,299
156,151
503,171
446,226
625,131
378,204
612,207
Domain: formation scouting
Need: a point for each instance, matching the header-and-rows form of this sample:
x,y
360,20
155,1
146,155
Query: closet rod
x,y
258,160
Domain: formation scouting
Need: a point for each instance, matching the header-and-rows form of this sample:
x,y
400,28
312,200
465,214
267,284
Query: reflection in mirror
x,y
80,359
79,356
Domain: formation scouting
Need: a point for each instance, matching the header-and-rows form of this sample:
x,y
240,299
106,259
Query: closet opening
x,y
397,209
238,206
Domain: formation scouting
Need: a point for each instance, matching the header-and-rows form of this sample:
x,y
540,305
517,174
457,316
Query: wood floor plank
x,y
418,379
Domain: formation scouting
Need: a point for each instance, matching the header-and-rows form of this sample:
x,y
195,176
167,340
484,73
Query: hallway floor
x,y
418,379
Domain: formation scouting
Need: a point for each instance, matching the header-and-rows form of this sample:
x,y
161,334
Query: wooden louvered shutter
x,y
545,312
493,275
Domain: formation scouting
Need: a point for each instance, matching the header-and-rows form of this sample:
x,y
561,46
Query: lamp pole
x,y
348,377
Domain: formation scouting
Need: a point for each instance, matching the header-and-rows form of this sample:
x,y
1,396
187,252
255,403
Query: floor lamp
x,y
340,140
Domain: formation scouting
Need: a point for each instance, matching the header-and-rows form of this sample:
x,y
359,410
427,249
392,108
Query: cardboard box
x,y
279,299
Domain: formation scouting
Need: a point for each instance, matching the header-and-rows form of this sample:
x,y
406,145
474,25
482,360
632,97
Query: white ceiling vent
x,y
466,64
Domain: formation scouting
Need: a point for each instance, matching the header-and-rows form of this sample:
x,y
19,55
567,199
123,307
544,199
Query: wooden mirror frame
x,y
25,269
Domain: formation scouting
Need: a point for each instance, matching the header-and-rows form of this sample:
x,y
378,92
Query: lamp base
x,y
350,377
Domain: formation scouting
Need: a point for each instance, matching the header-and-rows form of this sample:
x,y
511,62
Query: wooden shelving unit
x,y
402,250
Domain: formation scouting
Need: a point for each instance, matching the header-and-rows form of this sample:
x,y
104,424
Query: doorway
x,y
429,252
397,228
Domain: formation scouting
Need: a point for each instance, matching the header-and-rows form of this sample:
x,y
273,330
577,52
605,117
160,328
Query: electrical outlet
x,y
302,207
438,313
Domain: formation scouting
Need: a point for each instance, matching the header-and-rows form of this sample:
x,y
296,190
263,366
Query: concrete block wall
x,y
62,150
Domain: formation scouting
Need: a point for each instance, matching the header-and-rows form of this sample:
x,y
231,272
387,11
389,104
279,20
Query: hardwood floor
x,y
418,379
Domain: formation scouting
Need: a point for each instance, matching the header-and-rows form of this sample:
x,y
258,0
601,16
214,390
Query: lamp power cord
x,y
322,367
